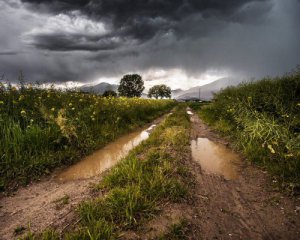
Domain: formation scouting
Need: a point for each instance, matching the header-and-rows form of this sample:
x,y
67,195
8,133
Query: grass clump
x,y
45,128
263,119
136,187
177,231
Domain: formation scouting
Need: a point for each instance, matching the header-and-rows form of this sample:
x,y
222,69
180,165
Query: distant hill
x,y
99,88
176,92
207,91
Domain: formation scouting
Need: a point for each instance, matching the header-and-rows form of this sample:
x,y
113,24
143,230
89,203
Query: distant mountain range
x,y
99,88
206,91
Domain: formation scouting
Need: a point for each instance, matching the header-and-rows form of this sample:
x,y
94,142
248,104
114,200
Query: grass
x,y
60,202
177,231
42,129
152,173
263,120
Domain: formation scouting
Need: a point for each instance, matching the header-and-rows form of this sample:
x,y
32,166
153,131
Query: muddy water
x,y
215,158
104,158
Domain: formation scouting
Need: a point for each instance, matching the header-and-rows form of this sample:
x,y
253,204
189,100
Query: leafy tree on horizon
x,y
160,91
131,85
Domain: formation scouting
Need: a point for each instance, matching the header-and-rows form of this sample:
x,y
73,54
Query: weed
x,y
20,229
177,231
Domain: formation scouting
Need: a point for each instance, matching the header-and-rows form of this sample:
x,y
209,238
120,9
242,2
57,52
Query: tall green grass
x,y
263,119
42,129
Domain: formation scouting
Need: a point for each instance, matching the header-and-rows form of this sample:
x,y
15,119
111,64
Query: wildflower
x,y
94,113
80,100
1,102
48,96
93,119
21,98
53,109
73,109
31,120
271,149
23,112
39,98
70,104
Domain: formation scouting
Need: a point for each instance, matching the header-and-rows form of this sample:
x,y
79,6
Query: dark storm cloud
x,y
7,53
86,40
132,19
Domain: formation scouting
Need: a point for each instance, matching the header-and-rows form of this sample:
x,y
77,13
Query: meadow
x,y
42,129
262,118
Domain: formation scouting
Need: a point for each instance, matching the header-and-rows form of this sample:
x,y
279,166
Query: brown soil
x,y
244,208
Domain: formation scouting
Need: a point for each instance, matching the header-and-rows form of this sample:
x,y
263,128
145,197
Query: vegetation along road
x,y
228,169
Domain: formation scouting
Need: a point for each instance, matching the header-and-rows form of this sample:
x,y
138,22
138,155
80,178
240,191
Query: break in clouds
x,y
181,42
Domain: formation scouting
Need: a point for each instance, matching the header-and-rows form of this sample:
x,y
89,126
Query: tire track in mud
x,y
240,208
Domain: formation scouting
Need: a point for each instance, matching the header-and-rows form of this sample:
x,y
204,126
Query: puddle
x,y
104,158
215,158
189,112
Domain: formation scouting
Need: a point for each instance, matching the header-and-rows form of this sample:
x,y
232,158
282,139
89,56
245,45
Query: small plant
x,y
20,229
177,231
59,203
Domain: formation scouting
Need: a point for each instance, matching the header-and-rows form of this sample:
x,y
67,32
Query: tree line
x,y
132,85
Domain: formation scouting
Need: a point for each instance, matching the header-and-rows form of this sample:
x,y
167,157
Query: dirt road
x,y
244,208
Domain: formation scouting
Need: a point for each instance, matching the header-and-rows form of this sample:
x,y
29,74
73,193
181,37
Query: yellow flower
x,y
53,109
271,149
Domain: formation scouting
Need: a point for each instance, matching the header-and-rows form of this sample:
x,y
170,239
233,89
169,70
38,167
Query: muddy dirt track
x,y
246,207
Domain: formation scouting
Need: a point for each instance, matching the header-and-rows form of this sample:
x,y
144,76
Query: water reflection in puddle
x,y
215,158
104,158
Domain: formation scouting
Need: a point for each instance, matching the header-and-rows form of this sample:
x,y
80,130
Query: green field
x,y
43,129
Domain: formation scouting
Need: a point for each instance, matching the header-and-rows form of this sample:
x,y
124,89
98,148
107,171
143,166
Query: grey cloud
x,y
132,19
244,38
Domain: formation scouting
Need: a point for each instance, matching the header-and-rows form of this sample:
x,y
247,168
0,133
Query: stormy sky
x,y
182,43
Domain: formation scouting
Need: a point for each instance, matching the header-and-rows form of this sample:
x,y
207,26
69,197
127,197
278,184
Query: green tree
x,y
131,85
109,93
159,91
